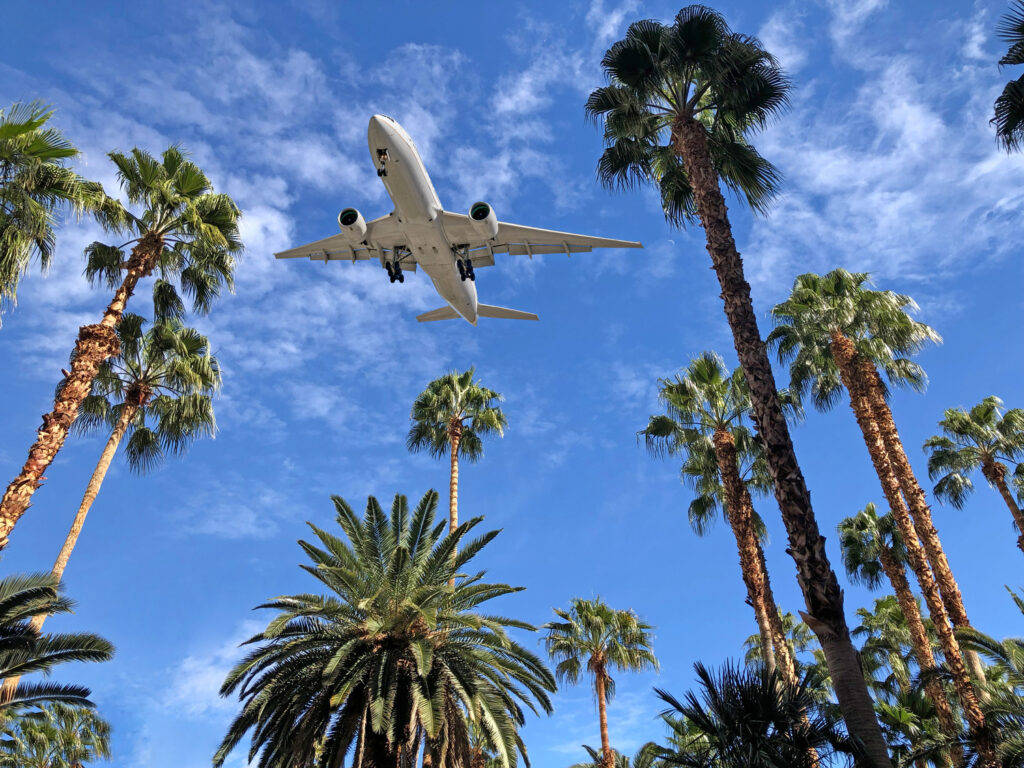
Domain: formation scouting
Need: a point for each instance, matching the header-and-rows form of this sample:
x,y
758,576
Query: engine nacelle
x,y
483,219
352,223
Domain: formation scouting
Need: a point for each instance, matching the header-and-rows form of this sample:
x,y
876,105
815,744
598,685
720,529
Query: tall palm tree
x,y
35,184
681,101
744,717
452,416
872,548
982,438
23,651
57,736
705,421
182,230
645,757
390,658
1009,106
592,636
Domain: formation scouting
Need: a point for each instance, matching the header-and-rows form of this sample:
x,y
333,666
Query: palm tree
x,y
837,333
24,651
744,717
1009,106
35,184
707,408
872,547
983,438
643,758
681,101
602,639
184,231
452,416
57,736
392,657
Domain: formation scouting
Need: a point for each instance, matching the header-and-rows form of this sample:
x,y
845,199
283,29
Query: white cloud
x,y
196,680
784,35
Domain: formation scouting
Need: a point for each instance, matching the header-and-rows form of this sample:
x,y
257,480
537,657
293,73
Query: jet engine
x,y
483,219
352,224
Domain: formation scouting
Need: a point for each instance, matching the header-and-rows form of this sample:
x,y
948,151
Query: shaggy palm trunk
x,y
822,594
94,345
455,437
995,473
846,358
607,756
874,391
783,656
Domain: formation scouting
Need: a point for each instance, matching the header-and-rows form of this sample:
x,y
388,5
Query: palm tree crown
x,y
57,736
862,538
1009,106
391,657
455,403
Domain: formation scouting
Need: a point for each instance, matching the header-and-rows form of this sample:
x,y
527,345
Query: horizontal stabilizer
x,y
444,313
486,310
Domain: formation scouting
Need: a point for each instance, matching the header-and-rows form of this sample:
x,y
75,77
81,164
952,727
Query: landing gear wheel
x,y
401,277
391,274
382,172
469,270
463,272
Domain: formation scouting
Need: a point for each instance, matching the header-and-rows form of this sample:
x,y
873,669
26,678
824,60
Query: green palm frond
x,y
455,402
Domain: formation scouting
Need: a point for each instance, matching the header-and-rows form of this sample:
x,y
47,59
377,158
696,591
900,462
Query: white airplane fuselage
x,y
418,210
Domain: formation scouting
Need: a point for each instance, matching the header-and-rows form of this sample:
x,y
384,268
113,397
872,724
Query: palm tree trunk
x,y
995,473
874,391
455,437
764,630
783,656
94,345
607,756
822,594
846,358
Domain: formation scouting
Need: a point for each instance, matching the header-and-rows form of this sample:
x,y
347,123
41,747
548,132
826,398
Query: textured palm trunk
x,y
783,656
874,391
846,358
607,756
995,473
455,436
764,630
95,344
822,594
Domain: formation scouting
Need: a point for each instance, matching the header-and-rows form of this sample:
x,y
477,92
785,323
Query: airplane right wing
x,y
382,236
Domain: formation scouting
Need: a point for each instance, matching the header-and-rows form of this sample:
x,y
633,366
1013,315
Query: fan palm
x,y
872,548
183,230
679,106
750,717
1009,106
24,651
58,736
452,416
706,412
391,657
644,758
593,636
985,438
35,184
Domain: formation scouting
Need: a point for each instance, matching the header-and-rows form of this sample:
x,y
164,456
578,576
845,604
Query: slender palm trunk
x,y
94,345
818,582
995,473
455,437
764,630
783,655
607,756
874,392
846,358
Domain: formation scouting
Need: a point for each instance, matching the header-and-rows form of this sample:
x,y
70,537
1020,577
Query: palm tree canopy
x,y
455,401
973,439
169,375
595,637
55,736
1009,106
802,644
645,757
35,184
877,322
693,69
887,651
862,539
23,651
197,229
391,649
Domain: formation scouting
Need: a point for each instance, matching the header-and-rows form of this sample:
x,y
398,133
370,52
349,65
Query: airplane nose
x,y
376,129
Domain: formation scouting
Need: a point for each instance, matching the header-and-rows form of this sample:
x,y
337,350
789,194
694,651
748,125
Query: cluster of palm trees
x,y
398,663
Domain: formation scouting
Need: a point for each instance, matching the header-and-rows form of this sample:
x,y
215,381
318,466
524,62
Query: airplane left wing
x,y
381,237
518,240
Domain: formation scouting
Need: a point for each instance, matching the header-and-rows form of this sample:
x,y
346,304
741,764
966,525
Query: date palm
x,y
175,225
24,651
1009,106
391,657
984,438
35,185
707,408
681,102
57,736
451,417
591,637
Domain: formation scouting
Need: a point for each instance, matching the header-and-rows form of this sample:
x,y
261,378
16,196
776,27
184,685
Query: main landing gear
x,y
466,270
394,271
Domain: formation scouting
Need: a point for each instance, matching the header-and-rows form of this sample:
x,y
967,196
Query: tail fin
x,y
486,310
444,313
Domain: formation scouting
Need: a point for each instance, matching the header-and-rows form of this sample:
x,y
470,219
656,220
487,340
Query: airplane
x,y
448,246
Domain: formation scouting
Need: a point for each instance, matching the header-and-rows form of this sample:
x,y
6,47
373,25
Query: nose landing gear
x,y
382,158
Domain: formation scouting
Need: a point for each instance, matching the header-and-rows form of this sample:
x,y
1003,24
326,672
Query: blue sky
x,y
890,167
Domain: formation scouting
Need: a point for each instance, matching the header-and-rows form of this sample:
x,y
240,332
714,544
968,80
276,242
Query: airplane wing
x,y
382,236
518,240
